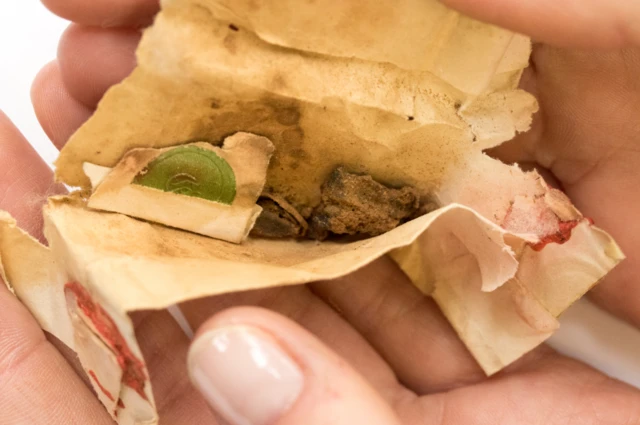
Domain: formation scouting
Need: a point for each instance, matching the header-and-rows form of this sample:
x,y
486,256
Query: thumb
x,y
255,367
585,23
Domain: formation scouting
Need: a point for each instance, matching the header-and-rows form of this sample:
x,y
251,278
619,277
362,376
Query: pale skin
x,y
389,355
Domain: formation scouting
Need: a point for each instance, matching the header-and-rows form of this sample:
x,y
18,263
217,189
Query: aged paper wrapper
x,y
246,153
406,91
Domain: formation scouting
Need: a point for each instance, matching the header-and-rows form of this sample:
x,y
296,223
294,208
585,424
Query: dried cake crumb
x,y
355,204
278,220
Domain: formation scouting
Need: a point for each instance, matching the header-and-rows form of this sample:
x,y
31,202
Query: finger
x,y
105,13
560,390
589,142
591,23
93,59
300,305
25,179
404,326
521,149
36,384
256,367
604,196
59,114
25,184
71,357
164,346
598,159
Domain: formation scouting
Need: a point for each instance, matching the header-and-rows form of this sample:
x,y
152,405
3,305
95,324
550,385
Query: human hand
x,y
587,23
395,359
586,133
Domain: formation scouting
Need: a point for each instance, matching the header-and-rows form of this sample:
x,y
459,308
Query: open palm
x,y
381,353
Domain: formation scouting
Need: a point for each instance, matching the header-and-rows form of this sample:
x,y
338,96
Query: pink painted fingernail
x,y
245,375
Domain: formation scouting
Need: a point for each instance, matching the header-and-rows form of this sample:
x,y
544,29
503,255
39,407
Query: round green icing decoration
x,y
191,171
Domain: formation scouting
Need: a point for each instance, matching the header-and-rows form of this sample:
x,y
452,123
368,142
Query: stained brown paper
x,y
406,91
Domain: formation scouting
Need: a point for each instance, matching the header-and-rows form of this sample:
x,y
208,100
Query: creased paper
x,y
406,91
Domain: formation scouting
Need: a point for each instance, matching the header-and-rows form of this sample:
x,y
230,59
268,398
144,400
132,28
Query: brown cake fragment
x,y
354,204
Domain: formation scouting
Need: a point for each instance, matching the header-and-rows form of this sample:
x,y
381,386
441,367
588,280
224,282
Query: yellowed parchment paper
x,y
406,91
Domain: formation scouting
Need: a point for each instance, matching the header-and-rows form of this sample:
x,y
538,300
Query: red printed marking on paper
x,y
561,236
103,389
133,374
120,406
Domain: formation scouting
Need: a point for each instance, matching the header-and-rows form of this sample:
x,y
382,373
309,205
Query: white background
x,y
28,40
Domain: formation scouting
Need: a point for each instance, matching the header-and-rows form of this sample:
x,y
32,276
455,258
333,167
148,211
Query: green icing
x,y
191,171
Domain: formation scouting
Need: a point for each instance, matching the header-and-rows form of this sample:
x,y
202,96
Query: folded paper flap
x,y
345,30
253,62
198,79
109,353
488,322
231,223
224,54
247,154
498,116
547,282
433,37
98,361
136,265
31,272
497,263
508,196
197,187
560,274
95,173
495,298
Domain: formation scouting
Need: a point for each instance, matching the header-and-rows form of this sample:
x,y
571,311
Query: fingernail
x,y
244,374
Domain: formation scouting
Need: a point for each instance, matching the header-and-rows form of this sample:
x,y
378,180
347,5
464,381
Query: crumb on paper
x,y
278,220
355,204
